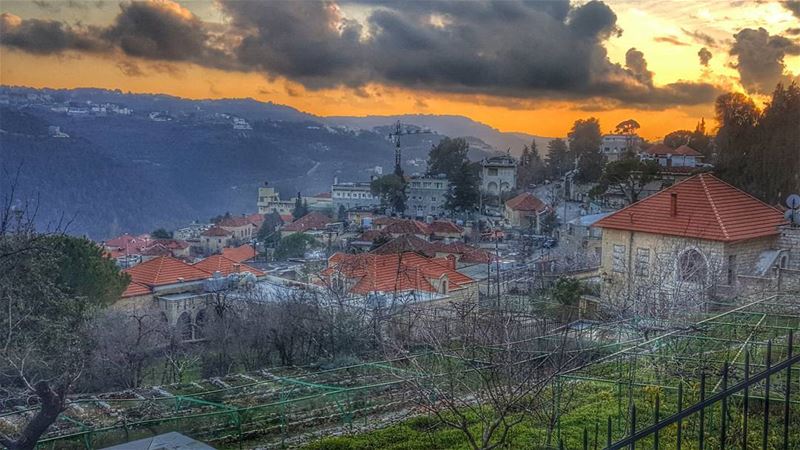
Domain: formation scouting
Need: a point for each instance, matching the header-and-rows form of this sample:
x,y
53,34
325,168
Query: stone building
x,y
498,174
689,242
426,196
350,195
526,211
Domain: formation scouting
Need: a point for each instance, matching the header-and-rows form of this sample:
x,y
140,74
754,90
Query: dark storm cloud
x,y
760,58
45,36
793,6
705,56
508,48
516,49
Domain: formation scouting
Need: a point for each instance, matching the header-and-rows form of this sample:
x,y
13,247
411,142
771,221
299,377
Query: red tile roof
x,y
371,235
661,149
219,263
256,219
394,273
444,226
240,253
215,231
411,243
323,195
131,244
234,222
311,221
407,226
405,243
135,289
707,208
162,271
172,244
526,202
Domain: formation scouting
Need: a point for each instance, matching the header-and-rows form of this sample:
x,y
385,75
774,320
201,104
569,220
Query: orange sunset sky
x,y
91,49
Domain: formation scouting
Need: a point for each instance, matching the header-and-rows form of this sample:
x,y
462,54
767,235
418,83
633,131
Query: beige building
x,y
214,239
684,245
526,211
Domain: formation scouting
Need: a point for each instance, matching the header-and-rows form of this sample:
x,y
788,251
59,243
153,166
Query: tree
x,y
300,207
392,191
161,233
629,174
447,157
295,246
697,139
548,222
341,214
268,233
584,146
50,285
531,167
463,195
557,158
629,127
566,294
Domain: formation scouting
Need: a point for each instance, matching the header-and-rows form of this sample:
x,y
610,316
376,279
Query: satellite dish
x,y
793,201
788,214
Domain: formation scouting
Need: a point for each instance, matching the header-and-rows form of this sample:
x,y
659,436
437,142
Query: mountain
x,y
448,125
108,162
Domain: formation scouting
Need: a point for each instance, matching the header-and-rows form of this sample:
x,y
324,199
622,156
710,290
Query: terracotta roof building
x,y
526,211
674,159
688,240
406,273
225,266
241,253
313,221
160,272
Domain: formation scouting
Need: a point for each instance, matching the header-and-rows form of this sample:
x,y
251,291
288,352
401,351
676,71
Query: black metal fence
x,y
747,419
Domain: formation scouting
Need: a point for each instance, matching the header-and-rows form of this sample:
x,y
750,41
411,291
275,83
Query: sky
x,y
529,66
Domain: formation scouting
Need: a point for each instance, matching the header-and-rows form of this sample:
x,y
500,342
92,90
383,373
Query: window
x,y
492,172
691,267
731,269
642,262
784,261
618,258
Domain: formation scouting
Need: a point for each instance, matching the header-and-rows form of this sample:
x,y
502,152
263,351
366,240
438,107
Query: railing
x,y
742,439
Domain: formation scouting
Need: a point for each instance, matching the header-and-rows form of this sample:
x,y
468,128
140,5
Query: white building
x,y
357,194
613,146
426,196
498,174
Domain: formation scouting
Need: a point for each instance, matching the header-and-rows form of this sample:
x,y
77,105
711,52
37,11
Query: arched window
x,y
692,267
492,187
199,323
185,326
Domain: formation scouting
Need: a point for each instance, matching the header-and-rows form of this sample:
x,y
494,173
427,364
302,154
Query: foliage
x,y
531,168
584,145
295,246
300,207
464,194
557,160
629,174
268,233
549,222
629,126
757,150
697,139
160,233
567,295
447,157
341,214
392,191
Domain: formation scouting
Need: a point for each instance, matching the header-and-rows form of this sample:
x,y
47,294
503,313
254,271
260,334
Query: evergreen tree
x,y
464,193
392,191
584,146
557,157
300,208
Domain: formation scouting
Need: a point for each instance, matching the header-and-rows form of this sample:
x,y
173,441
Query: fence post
x,y
765,435
585,439
724,431
656,419
633,424
679,438
702,410
608,433
746,397
788,395
596,434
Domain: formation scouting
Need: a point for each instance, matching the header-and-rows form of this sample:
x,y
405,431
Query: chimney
x,y
237,268
673,204
335,180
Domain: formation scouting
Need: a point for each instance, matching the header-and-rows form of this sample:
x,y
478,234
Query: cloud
x,y
635,62
793,6
705,56
671,40
760,58
130,69
512,49
701,37
46,36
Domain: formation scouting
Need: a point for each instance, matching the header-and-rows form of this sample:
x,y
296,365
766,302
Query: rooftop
x,y
241,253
661,149
311,221
161,271
526,202
705,208
215,231
219,263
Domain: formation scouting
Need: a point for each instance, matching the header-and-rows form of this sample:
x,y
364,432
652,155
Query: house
x,y
242,229
463,254
613,146
313,221
445,229
242,253
399,227
498,174
583,237
426,196
270,201
350,195
407,275
526,211
214,239
219,264
667,157
689,241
